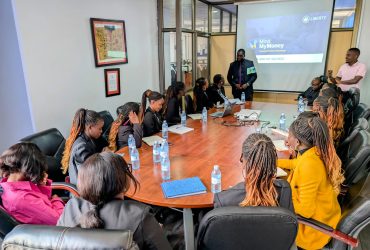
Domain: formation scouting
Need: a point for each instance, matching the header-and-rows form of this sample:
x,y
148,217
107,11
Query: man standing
x,y
351,73
241,76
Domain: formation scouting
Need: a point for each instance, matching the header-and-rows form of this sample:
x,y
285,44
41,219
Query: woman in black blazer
x,y
172,104
102,183
152,120
260,188
200,95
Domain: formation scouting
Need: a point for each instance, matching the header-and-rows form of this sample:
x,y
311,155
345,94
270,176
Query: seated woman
x,y
103,181
315,178
81,143
172,103
200,95
26,190
218,85
331,111
127,123
260,188
152,121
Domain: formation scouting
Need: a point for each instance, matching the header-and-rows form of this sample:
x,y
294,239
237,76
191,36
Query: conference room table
x,y
218,142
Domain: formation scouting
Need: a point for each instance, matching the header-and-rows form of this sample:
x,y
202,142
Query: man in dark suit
x,y
241,76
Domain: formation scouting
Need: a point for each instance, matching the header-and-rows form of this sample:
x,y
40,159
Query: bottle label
x,y
155,152
165,167
133,158
215,180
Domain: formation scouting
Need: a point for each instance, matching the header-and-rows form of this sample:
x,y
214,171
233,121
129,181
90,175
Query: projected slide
x,y
299,38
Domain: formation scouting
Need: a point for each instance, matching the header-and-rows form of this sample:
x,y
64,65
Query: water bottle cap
x,y
216,167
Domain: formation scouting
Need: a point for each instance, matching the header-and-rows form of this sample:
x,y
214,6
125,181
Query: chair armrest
x,y
65,186
338,235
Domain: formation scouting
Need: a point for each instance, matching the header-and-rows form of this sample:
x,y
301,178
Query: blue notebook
x,y
184,187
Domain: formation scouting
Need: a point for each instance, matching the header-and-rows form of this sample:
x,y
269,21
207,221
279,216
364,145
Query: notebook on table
x,y
179,129
151,139
183,187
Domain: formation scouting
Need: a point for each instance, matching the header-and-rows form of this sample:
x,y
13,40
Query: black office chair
x,y
361,111
357,126
51,237
108,120
7,222
353,99
356,157
355,218
189,106
51,143
247,228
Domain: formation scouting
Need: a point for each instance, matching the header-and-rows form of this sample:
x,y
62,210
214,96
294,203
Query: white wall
x,y
16,121
56,42
364,45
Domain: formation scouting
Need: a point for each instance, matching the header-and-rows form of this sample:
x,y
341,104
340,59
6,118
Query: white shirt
x,y
347,72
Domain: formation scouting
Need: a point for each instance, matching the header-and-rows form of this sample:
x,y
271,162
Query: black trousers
x,y
237,93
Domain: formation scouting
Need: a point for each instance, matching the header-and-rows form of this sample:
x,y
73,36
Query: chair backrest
x,y
355,157
361,111
355,212
51,143
108,119
189,106
247,228
50,237
357,126
7,222
353,100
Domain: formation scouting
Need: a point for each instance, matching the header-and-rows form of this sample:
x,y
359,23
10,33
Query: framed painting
x,y
109,41
112,82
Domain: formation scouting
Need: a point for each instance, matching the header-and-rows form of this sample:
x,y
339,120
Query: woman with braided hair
x,y
152,119
315,177
260,188
127,122
330,109
86,128
103,181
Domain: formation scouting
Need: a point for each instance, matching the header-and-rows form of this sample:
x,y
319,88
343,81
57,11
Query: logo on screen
x,y
253,44
307,19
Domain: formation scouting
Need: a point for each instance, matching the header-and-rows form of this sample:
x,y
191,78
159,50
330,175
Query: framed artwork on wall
x,y
112,82
109,41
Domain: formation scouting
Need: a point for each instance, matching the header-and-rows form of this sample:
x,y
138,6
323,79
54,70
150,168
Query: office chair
x,y
247,228
51,143
356,126
52,237
361,111
189,106
355,218
108,119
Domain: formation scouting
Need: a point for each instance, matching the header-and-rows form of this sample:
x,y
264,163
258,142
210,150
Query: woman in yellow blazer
x,y
315,178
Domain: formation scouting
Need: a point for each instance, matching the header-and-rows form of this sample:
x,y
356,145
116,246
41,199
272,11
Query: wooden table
x,y
195,153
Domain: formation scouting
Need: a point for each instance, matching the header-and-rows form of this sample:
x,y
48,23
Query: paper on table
x,y
279,131
235,101
280,172
195,116
151,139
178,129
280,145
248,114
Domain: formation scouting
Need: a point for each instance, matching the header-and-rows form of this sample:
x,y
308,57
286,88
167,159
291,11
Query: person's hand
x,y
54,196
244,86
330,73
44,179
134,119
237,85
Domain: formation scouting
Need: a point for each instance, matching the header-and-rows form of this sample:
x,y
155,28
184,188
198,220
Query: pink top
x,y
31,204
347,72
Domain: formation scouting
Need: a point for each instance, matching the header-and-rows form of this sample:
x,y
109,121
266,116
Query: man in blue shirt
x,y
241,76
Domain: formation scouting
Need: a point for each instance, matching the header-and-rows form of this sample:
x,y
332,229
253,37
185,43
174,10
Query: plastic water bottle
x,y
300,104
242,98
165,130
183,119
164,149
135,160
204,115
282,122
131,142
216,179
166,168
156,152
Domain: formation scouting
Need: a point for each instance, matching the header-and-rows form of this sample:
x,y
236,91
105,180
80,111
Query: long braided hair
x,y
122,117
81,120
313,132
101,178
260,157
331,110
